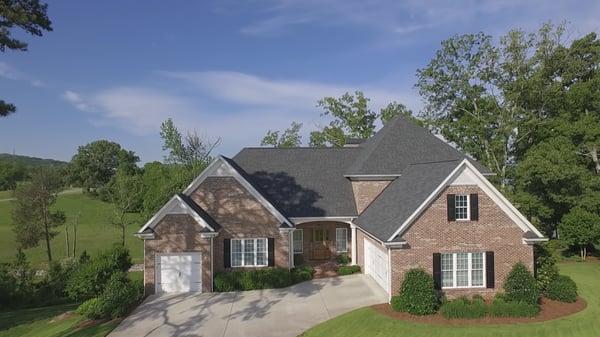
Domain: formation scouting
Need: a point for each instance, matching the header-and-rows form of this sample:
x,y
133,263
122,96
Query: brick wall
x,y
366,191
240,215
176,233
432,233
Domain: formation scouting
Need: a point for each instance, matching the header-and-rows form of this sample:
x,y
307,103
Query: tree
x,y
160,182
483,96
28,15
125,194
394,109
289,137
352,118
10,173
97,162
192,151
33,219
580,228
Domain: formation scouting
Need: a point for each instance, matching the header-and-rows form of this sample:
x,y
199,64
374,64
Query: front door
x,y
320,246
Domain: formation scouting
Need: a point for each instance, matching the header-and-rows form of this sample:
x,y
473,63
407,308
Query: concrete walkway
x,y
261,313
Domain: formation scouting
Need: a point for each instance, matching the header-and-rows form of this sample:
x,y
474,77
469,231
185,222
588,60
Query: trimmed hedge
x,y
347,270
266,278
120,296
521,286
464,308
503,308
563,289
417,294
343,259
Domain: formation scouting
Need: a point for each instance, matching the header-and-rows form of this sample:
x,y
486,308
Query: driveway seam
x,y
229,315
323,301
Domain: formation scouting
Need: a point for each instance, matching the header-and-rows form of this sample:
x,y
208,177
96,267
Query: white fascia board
x,y
168,209
221,168
301,220
486,186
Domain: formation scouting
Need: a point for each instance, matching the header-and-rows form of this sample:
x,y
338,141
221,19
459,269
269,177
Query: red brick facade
x,y
433,233
176,233
240,215
366,191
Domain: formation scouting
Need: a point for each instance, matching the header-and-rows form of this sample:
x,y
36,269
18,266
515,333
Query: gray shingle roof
x,y
302,182
200,212
400,143
403,196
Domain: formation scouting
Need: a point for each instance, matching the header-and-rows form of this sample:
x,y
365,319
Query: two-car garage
x,y
178,272
376,264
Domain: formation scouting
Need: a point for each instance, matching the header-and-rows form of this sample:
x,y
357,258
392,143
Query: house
x,y
401,199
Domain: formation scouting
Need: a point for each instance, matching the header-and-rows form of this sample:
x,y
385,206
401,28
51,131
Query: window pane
x,y
447,273
477,269
477,261
477,276
248,252
462,261
462,278
461,205
341,239
236,253
298,240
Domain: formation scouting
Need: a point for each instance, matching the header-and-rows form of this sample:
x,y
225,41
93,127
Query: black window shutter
x,y
474,204
437,270
451,207
227,253
489,269
271,245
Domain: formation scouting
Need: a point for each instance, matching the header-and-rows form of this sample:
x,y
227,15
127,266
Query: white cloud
x,y
11,73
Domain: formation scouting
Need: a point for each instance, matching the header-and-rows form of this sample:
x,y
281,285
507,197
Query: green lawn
x,y
94,231
44,322
367,322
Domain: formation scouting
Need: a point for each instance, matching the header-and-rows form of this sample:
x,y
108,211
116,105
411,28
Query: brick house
x,y
401,199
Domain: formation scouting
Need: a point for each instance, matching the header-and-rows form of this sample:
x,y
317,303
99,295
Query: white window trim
x,y
242,244
301,251
470,271
468,197
345,239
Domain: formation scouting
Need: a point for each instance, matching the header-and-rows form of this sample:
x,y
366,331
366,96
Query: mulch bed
x,y
549,310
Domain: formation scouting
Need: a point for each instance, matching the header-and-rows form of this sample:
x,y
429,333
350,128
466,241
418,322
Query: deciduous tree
x,y
289,137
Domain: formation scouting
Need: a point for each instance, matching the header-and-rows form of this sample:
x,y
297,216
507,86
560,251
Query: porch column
x,y
353,242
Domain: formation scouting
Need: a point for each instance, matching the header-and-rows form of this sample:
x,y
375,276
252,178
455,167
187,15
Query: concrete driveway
x,y
261,313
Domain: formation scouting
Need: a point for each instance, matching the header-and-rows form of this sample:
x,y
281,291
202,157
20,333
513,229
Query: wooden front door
x,y
320,245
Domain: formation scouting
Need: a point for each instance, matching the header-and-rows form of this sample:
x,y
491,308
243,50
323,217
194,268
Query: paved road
x,y
261,313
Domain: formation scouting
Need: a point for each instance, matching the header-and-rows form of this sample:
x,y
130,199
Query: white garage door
x,y
178,273
376,264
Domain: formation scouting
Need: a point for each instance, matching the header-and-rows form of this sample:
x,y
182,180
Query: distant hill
x,y
31,161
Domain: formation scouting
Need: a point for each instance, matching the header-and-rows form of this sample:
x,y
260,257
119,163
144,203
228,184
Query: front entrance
x,y
319,242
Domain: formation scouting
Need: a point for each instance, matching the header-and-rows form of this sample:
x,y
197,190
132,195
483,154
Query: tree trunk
x,y
75,238
583,252
123,234
68,246
47,233
594,155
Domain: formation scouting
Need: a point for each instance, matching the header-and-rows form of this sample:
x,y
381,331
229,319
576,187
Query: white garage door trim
x,y
178,272
377,264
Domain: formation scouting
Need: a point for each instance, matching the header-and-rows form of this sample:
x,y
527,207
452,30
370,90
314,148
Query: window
x,y
319,235
461,207
463,270
249,252
298,241
341,239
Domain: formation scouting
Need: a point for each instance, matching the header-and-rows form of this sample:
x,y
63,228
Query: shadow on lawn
x,y
9,319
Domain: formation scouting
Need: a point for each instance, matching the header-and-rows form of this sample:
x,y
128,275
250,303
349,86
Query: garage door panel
x,y
179,272
376,264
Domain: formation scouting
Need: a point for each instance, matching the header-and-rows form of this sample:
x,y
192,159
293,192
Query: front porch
x,y
316,243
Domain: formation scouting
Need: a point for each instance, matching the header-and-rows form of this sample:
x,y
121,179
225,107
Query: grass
x,y
94,231
367,322
43,322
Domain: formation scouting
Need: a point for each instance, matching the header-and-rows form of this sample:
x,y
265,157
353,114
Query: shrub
x,y
227,281
464,308
521,286
546,270
343,259
302,273
91,309
417,294
563,289
556,248
90,278
503,308
347,270
7,287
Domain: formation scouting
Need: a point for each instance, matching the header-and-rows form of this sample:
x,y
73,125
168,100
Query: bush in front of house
x,y
546,270
347,270
119,297
302,273
265,278
521,286
563,289
90,278
343,259
501,307
417,294
463,307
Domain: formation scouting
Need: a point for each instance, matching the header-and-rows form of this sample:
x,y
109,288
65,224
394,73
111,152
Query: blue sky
x,y
231,69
